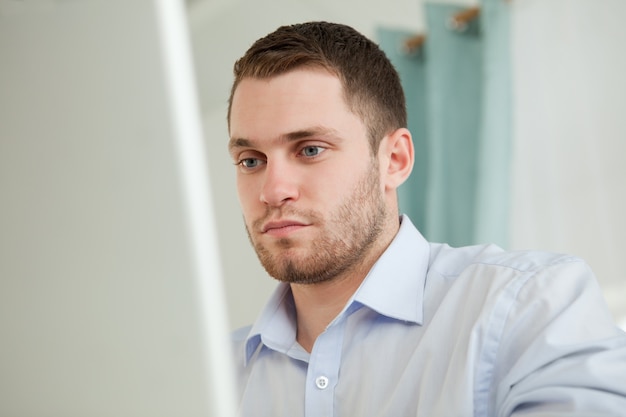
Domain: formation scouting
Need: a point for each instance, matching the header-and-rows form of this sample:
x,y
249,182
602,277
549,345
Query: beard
x,y
345,236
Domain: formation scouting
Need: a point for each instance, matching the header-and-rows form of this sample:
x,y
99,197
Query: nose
x,y
280,184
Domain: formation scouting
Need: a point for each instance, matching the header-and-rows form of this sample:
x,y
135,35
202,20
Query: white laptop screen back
x,y
111,299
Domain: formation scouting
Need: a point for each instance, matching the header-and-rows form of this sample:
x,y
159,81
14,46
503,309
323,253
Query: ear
x,y
397,158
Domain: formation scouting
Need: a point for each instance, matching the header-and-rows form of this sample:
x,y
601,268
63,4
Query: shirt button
x,y
321,382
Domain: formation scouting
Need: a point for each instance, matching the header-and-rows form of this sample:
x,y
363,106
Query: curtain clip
x,y
459,22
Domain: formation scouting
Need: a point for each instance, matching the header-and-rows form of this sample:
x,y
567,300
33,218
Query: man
x,y
369,318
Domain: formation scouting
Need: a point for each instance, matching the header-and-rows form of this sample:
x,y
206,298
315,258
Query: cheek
x,y
247,193
342,180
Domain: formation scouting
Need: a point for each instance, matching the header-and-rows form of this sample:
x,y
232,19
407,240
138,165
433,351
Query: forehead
x,y
289,102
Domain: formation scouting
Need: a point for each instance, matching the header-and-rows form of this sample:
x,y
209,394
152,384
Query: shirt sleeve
x,y
560,352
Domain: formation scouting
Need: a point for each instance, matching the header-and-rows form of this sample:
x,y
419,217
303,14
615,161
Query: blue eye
x,y
249,162
312,150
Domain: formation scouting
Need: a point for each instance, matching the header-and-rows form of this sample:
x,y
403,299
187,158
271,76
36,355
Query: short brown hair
x,y
371,85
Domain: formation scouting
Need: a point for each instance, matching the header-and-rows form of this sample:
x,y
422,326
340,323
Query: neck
x,y
317,305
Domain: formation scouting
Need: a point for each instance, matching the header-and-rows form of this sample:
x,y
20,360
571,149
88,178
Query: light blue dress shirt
x,y
440,331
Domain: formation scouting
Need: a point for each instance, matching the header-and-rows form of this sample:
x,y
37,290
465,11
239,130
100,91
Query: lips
x,y
281,227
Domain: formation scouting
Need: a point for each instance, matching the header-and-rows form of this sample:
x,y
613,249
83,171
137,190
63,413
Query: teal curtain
x,y
458,99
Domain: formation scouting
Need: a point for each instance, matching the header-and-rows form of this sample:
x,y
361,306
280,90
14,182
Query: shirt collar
x,y
276,325
394,287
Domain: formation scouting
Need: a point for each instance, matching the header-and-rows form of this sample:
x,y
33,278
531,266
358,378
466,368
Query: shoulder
x,y
241,334
449,261
524,296
240,341
496,283
239,338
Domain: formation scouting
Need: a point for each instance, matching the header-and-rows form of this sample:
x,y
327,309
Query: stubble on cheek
x,y
343,238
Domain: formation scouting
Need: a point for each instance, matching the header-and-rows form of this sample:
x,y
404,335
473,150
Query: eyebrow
x,y
287,137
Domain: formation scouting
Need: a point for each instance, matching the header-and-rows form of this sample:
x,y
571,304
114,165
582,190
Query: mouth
x,y
282,228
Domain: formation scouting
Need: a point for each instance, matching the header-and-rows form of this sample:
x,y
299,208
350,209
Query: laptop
x,y
111,293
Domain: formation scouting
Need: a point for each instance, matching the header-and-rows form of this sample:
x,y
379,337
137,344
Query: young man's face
x,y
308,184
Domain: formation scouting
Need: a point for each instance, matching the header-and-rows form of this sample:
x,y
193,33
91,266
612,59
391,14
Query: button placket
x,y
323,371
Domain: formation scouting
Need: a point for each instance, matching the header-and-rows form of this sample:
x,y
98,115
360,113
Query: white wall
x,y
569,191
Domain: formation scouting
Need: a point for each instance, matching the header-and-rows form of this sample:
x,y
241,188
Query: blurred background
x,y
517,110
